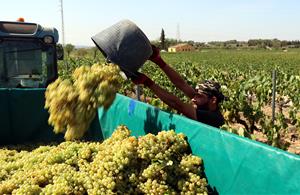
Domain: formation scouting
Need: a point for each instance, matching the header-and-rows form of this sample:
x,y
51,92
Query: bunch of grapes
x,y
122,164
72,104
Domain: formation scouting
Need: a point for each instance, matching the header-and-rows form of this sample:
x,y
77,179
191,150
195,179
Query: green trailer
x,y
232,164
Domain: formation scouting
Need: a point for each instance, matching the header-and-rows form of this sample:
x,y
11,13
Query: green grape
x,y
121,164
72,104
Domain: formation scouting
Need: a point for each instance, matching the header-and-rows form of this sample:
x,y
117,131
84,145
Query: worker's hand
x,y
156,58
141,78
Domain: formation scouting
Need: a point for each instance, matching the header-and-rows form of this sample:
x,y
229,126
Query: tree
x,y
69,48
284,43
95,50
276,43
170,42
162,39
82,52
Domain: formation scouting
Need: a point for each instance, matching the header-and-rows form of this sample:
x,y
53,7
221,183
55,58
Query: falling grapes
x,y
72,103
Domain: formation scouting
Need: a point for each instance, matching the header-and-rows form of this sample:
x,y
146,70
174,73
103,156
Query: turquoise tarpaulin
x,y
233,164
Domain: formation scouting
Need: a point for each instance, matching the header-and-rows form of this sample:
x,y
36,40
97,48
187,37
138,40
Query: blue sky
x,y
198,20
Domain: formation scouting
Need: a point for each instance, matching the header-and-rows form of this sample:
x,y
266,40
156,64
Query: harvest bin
x,y
233,164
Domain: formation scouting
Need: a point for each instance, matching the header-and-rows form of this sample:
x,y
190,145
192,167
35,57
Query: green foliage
x,y
246,79
69,48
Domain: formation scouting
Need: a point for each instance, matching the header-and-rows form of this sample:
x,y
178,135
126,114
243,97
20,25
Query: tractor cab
x,y
28,55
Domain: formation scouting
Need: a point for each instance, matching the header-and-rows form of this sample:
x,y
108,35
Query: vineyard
x,y
246,79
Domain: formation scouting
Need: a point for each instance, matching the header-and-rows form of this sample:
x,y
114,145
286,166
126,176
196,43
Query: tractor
x,y
28,54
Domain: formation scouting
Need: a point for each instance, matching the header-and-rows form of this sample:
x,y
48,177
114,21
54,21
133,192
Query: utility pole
x,y
178,33
62,22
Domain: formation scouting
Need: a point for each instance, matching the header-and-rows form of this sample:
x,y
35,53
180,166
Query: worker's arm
x,y
171,100
175,78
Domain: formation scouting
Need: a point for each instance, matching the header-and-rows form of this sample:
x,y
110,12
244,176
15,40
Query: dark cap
x,y
211,88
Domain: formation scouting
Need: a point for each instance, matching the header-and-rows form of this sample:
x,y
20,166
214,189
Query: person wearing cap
x,y
125,44
205,97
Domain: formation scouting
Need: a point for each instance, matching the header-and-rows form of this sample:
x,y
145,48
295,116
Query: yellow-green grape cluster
x,y
162,146
97,84
73,103
121,164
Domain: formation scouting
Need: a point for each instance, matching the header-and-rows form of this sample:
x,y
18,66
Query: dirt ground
x,y
292,139
291,136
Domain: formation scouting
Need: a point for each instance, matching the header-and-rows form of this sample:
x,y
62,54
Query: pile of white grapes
x,y
122,164
72,103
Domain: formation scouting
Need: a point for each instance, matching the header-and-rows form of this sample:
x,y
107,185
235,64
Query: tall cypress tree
x,y
162,39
